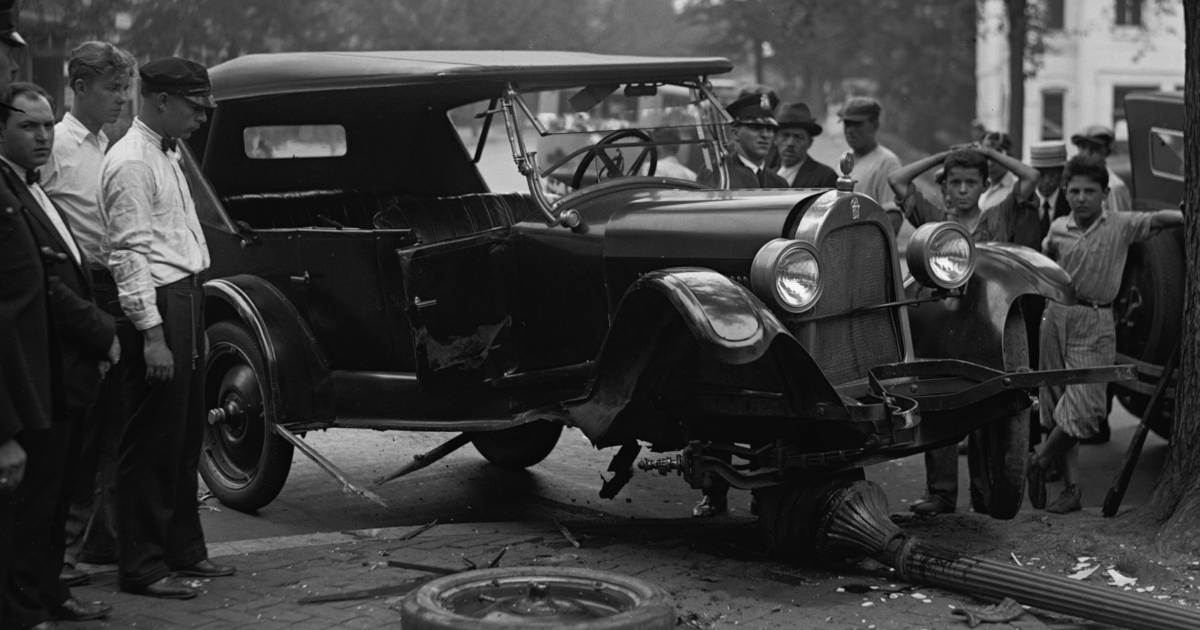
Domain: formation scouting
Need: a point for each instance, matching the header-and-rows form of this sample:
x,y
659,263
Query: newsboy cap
x,y
1094,134
1047,154
860,108
181,77
754,106
8,24
798,115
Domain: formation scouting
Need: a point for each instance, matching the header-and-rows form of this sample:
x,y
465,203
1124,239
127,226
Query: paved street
x,y
316,541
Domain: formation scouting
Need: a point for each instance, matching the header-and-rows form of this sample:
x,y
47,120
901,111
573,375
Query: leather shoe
x,y
711,505
75,610
70,576
206,569
166,588
1067,501
930,506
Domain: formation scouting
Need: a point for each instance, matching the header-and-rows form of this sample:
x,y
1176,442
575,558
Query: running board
x,y
348,486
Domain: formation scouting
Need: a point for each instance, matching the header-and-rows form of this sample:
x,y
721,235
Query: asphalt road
x,y
464,488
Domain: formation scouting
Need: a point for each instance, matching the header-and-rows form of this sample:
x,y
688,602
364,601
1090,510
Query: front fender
x,y
663,318
971,326
298,376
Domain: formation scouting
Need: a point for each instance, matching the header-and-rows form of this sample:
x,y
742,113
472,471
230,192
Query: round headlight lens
x,y
941,255
797,279
950,257
786,272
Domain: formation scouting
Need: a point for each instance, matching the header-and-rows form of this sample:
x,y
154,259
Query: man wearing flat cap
x,y
754,126
156,253
873,162
797,128
25,351
1096,141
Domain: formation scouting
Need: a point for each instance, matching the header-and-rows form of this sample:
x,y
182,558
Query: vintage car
x,y
1149,307
390,252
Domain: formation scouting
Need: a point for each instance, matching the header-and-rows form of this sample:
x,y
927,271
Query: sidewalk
x,y
714,570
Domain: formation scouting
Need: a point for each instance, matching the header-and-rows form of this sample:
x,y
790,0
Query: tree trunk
x,y
1018,26
1176,499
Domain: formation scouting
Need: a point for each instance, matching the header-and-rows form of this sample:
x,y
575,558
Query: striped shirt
x,y
1095,257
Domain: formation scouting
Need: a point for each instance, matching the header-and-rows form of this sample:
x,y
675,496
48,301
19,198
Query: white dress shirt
x,y
152,236
789,172
72,179
48,211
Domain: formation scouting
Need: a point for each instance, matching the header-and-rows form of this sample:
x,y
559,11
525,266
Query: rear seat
x,y
431,219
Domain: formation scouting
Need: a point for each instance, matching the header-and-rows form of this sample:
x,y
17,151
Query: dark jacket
x,y
81,331
813,174
740,176
25,366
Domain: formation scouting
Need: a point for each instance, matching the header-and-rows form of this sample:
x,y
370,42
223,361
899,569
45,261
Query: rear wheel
x,y
243,462
997,452
519,447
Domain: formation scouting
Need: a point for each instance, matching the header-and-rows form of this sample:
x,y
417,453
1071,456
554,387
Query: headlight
x,y
941,255
787,273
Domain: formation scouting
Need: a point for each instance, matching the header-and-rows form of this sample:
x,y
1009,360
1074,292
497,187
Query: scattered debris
x,y
1007,610
1085,573
366,593
1015,560
418,531
567,534
400,564
496,561
1117,579
555,559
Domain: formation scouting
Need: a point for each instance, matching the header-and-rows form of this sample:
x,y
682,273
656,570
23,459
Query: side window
x,y
285,142
1166,153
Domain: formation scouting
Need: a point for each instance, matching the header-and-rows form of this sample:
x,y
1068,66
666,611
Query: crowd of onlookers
x,y
1076,211
101,332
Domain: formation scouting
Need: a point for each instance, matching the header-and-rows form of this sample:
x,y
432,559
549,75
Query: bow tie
x,y
168,144
32,176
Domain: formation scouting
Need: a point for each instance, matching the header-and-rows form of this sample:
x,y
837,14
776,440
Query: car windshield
x,y
585,134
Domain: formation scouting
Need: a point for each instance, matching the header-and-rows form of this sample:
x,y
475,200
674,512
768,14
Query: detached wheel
x,y
536,597
519,447
243,462
997,453
1149,313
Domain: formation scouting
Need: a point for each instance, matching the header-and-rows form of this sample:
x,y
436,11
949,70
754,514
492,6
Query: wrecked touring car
x,y
380,263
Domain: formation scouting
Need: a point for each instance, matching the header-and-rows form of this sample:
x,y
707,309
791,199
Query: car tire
x,y
1149,313
788,515
462,601
997,453
243,461
519,447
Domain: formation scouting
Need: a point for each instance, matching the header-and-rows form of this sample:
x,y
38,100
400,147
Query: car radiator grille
x,y
857,268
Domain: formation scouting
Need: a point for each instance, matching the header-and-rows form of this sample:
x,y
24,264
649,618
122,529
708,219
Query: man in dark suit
x,y
754,127
797,128
25,375
84,338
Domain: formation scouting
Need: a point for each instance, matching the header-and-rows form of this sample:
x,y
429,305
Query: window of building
x,y
1053,17
1129,12
1052,115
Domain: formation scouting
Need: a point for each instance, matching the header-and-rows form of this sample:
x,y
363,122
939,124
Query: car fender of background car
x,y
369,272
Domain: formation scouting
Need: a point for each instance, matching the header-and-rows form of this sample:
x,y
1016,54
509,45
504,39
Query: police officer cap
x,y
8,24
754,106
180,77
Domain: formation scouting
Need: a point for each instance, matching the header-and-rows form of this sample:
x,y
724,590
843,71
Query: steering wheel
x,y
613,163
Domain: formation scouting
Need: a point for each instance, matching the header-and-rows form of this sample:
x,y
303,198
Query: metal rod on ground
x,y
422,460
1116,492
348,486
855,519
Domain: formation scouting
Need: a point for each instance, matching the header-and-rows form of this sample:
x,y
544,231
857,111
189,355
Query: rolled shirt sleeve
x,y
128,202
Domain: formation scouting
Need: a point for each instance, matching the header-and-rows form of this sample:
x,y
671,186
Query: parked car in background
x,y
392,250
1149,307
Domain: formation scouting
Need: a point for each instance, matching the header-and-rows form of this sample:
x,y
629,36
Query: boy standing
x,y
1091,244
1012,220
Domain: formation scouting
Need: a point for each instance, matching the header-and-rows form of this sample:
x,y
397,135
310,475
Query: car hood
x,y
691,226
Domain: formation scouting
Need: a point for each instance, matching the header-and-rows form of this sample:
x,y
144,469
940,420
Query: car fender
x,y
725,321
298,375
970,326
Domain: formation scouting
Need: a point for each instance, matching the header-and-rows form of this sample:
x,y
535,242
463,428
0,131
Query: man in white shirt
x,y
99,75
1096,141
155,251
85,342
1000,180
873,162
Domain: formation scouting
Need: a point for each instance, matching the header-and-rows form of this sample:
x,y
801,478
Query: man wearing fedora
x,y
155,251
797,128
1096,141
754,127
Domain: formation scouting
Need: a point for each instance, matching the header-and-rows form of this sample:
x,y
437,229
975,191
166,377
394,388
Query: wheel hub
x,y
543,600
